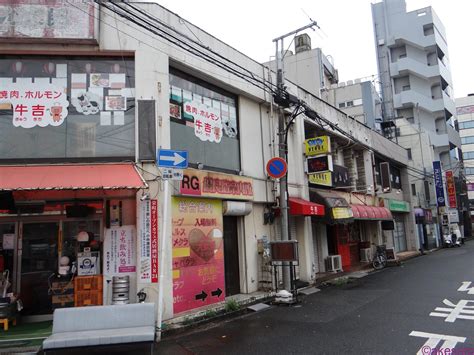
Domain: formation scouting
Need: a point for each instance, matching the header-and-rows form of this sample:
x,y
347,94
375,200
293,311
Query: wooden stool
x,y
5,322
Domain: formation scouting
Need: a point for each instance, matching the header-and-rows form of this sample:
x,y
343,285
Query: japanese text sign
x,y
198,253
317,145
148,264
119,250
324,178
451,189
217,185
207,121
35,104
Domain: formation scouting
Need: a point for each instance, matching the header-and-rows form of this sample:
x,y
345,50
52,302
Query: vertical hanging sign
x,y
451,189
438,180
148,241
154,240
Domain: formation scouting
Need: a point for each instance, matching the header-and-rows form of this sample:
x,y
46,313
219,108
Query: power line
x,y
152,28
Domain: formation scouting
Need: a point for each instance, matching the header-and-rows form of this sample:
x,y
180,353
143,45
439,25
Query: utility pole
x,y
282,148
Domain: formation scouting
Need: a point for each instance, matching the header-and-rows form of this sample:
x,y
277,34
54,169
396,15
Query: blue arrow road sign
x,y
168,158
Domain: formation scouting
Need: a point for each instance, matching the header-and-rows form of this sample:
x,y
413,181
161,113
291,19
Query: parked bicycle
x,y
379,260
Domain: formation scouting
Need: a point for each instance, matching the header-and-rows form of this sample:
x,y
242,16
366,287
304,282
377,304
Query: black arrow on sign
x,y
201,296
217,292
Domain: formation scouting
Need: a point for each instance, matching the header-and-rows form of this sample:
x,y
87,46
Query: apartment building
x,y
416,88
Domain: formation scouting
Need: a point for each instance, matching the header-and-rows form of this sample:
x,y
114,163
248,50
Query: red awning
x,y
70,177
300,207
371,213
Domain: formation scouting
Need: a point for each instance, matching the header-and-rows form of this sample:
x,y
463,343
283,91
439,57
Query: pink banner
x,y
154,240
198,253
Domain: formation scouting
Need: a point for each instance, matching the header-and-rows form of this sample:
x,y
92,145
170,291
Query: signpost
x,y
171,159
277,168
168,158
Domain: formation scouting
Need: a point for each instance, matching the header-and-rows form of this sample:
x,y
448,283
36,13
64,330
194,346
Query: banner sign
x,y
119,250
398,206
148,264
438,180
317,145
35,104
209,184
198,253
319,164
324,178
451,189
207,121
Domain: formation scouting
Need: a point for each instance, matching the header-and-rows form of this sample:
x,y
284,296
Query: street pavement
x,y
372,315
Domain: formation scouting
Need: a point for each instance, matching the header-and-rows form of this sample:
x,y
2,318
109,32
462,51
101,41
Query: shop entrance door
x,y
399,236
39,261
231,256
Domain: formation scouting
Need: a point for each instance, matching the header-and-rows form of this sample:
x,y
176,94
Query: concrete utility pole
x,y
282,148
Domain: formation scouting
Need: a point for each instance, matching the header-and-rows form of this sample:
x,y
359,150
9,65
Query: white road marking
x,y
461,310
449,341
465,287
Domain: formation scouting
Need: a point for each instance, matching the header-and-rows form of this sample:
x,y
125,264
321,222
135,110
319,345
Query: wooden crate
x,y
88,283
88,298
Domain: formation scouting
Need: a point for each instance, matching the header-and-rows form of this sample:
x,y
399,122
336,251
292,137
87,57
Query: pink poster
x,y
198,253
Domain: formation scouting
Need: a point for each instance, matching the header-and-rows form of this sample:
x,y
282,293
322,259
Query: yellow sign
x,y
324,178
317,145
341,213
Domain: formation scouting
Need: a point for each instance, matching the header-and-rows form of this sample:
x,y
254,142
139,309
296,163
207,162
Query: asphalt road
x,y
372,315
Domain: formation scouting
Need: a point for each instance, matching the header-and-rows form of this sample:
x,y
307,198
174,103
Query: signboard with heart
x,y
198,253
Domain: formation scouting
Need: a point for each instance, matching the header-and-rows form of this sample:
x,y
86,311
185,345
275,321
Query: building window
x,y
395,176
409,154
403,55
413,189
466,125
469,171
93,116
405,87
214,148
342,104
349,103
467,140
468,155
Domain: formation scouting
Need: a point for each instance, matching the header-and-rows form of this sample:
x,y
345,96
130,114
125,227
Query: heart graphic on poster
x,y
205,246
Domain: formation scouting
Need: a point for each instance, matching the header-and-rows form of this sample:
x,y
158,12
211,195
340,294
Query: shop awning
x,y
119,176
374,213
338,209
300,207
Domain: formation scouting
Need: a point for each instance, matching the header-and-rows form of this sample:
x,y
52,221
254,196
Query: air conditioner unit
x,y
365,255
334,263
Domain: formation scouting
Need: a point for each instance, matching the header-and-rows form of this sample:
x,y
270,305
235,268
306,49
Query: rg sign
x,y
190,185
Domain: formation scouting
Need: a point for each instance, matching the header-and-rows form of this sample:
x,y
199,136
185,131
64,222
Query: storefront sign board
x,y
398,206
317,145
319,164
35,104
119,250
207,121
198,253
451,189
341,213
148,257
324,178
209,184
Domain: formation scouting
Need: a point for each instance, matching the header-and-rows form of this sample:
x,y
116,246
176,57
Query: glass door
x,y
39,261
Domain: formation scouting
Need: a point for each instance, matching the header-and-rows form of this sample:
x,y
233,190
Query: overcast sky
x,y
346,30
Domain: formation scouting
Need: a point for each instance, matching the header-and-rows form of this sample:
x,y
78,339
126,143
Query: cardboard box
x,y
62,299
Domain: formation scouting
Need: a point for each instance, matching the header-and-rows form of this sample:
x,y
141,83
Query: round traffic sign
x,y
277,167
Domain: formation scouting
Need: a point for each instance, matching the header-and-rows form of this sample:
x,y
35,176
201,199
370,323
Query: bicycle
x,y
379,260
